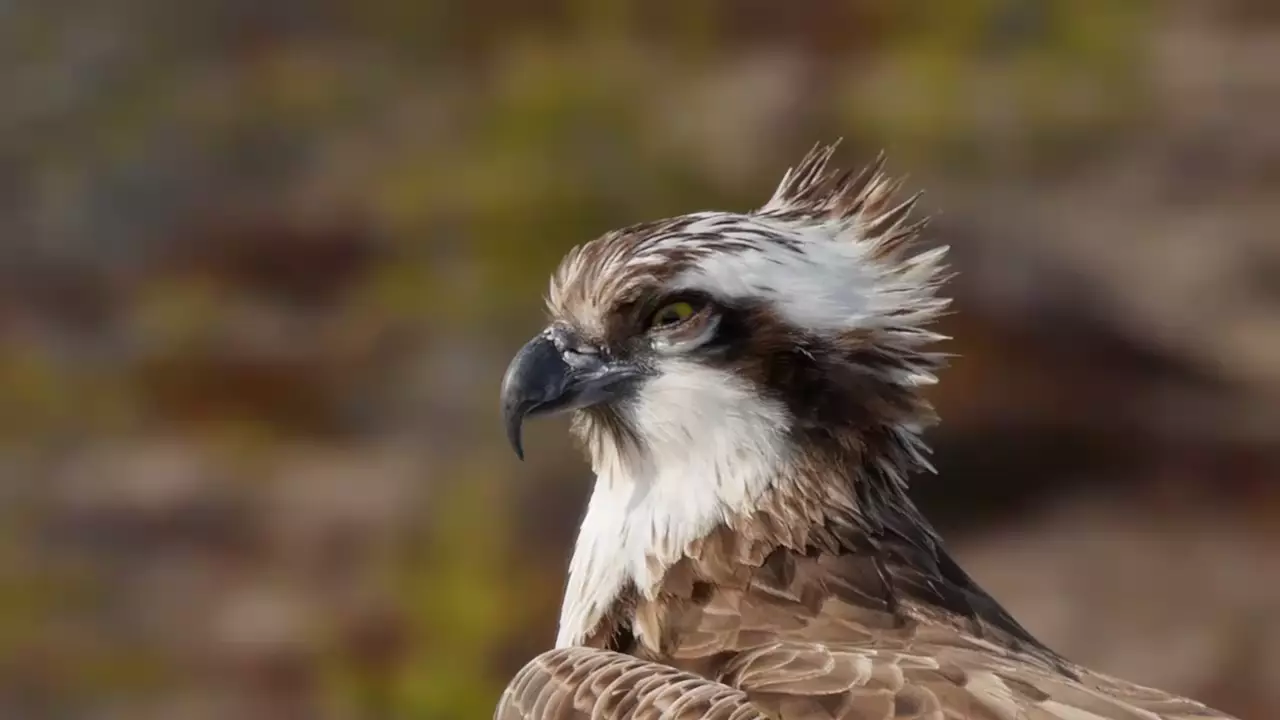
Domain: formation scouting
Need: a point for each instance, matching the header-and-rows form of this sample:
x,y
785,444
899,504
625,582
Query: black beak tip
x,y
535,377
513,436
514,412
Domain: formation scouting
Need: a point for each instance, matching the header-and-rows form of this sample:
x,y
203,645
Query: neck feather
x,y
654,496
649,508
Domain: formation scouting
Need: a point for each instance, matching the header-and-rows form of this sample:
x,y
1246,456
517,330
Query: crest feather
x,y
831,251
861,201
810,189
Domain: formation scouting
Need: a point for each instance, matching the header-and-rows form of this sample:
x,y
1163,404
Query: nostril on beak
x,y
583,357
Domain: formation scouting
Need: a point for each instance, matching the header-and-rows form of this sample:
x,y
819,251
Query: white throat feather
x,y
719,446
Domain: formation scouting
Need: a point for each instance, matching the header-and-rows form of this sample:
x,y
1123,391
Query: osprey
x,y
748,388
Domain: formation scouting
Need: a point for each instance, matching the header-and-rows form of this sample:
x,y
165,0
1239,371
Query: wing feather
x,y
579,683
787,678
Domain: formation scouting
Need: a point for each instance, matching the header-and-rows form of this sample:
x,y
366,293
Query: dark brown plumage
x,y
819,591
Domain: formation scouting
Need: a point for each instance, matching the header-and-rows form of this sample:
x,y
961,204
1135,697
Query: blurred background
x,y
262,264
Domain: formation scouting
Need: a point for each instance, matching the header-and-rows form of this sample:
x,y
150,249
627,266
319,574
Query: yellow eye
x,y
672,314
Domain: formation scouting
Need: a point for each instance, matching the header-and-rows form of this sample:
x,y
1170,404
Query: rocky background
x,y
262,265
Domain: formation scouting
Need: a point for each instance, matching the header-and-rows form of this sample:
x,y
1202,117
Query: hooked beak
x,y
553,373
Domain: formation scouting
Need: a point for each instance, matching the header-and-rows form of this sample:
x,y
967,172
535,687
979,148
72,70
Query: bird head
x,y
807,315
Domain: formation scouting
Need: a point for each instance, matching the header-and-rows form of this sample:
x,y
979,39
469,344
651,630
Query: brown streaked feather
x,y
891,220
795,636
817,681
820,681
580,683
886,627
